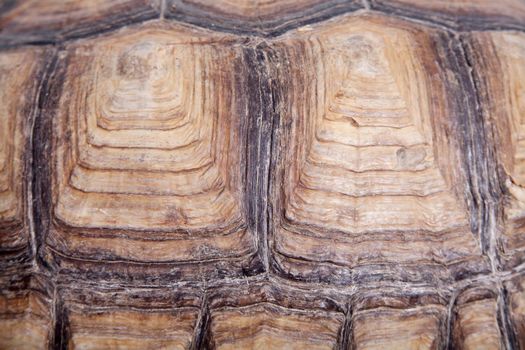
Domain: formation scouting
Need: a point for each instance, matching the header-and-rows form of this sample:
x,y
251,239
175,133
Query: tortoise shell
x,y
234,174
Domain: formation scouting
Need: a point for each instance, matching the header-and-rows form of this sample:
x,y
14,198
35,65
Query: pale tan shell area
x,y
262,174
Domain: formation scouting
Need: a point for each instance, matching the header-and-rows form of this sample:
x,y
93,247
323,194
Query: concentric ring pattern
x,y
361,166
146,150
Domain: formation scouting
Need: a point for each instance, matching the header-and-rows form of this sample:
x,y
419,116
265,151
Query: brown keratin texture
x,y
234,174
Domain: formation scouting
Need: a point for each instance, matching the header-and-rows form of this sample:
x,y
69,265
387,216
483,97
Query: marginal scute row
x,y
260,313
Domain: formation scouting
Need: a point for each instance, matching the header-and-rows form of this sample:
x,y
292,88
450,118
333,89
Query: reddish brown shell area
x,y
235,174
